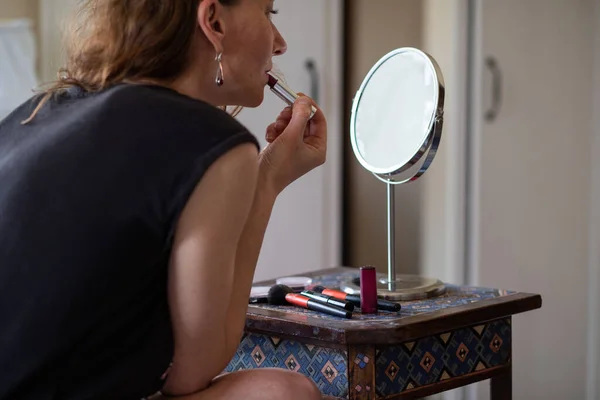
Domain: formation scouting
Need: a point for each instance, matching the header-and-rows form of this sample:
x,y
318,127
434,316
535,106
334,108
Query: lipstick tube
x,y
305,302
323,298
284,92
368,290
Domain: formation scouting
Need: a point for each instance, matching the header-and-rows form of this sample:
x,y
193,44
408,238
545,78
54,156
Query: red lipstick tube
x,y
305,302
284,92
368,290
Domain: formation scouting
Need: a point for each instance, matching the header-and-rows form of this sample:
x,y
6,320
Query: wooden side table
x,y
430,346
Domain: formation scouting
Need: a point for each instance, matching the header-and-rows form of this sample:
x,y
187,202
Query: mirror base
x,y
404,288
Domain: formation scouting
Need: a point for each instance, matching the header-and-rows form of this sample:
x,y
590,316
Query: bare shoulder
x,y
242,160
229,180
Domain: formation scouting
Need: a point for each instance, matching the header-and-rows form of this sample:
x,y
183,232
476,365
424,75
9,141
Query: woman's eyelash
x,y
274,11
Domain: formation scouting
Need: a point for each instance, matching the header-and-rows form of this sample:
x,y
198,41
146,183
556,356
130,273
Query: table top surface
x,y
458,307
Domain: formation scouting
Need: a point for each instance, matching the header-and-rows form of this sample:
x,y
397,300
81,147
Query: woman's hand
x,y
297,145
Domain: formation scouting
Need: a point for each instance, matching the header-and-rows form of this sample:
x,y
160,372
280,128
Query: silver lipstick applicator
x,y
284,92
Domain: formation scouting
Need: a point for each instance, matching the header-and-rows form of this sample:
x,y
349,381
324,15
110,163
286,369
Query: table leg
x,y
501,385
361,372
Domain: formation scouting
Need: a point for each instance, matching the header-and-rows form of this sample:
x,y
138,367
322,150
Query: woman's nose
x,y
279,44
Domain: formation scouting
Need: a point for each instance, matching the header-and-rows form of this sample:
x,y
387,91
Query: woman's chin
x,y
253,101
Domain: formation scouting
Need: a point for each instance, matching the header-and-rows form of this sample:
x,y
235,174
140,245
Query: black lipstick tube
x,y
315,305
347,305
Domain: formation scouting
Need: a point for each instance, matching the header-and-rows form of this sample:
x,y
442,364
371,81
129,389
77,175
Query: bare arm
x,y
247,256
218,243
202,268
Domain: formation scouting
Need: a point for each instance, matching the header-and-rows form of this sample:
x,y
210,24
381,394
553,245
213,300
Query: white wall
x,y
442,217
593,361
47,17
18,9
27,9
53,14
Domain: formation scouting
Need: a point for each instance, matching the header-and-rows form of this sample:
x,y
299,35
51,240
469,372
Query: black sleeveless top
x,y
90,193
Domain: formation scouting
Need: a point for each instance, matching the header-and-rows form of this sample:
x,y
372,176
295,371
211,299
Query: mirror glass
x,y
394,111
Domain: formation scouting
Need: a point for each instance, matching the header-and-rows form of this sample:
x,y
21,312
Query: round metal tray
x,y
405,287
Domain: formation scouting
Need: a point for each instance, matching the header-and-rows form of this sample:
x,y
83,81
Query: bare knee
x,y
261,384
298,387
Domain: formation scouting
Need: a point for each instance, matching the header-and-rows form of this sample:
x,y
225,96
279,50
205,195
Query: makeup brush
x,y
282,294
355,299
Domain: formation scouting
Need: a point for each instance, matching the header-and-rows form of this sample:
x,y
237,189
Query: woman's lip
x,y
271,80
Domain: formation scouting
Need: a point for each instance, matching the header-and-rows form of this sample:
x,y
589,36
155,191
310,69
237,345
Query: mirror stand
x,y
391,225
396,124
394,286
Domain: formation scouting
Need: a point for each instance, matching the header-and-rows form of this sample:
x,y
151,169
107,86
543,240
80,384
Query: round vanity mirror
x,y
395,130
397,114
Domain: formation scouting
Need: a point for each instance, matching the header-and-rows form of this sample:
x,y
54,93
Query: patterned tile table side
x,y
453,297
327,367
437,358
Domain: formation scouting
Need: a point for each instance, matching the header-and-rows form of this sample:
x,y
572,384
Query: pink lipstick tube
x,y
368,290
284,92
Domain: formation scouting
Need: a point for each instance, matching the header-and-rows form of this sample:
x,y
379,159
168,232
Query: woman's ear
x,y
211,22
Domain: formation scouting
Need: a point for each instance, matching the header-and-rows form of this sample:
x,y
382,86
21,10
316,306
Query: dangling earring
x,y
219,79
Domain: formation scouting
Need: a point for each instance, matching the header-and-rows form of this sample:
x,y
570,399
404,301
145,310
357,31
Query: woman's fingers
x,y
286,112
283,119
276,128
281,124
271,133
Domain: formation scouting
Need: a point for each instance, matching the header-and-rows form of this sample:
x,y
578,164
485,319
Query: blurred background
x,y
512,199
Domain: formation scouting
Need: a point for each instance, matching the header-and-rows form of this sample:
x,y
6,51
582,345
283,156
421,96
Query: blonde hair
x,y
108,42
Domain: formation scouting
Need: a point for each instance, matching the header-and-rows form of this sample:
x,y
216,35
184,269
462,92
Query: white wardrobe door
x,y
532,166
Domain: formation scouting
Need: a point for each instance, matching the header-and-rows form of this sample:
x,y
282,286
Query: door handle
x,y
493,112
311,67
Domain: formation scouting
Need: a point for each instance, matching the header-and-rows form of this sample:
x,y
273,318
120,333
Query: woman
x,y
133,208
